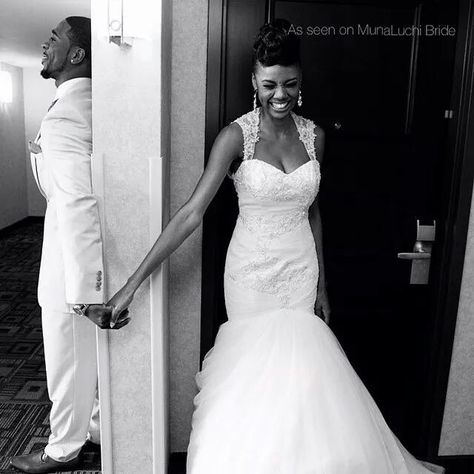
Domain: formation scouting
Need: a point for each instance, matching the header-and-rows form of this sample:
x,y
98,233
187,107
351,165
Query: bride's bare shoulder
x,y
229,142
231,134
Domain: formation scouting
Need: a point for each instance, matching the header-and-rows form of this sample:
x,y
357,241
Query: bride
x,y
277,394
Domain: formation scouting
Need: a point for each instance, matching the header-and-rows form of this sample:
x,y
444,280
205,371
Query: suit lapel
x,y
34,165
35,157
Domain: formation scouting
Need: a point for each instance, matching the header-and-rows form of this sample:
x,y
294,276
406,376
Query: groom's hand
x,y
101,314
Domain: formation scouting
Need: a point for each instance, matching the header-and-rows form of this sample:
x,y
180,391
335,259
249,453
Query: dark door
x,y
378,79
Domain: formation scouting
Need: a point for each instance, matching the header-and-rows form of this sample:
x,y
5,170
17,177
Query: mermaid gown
x,y
277,394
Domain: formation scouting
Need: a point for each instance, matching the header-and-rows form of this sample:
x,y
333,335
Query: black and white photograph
x,y
237,236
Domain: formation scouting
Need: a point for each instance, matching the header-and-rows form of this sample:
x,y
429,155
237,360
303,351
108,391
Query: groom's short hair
x,y
80,33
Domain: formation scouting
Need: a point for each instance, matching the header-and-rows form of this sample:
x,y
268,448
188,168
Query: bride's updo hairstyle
x,y
275,44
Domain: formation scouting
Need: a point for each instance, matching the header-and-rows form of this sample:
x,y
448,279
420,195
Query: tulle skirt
x,y
278,396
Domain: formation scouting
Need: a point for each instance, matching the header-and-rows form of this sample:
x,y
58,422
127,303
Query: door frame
x,y
457,211
457,189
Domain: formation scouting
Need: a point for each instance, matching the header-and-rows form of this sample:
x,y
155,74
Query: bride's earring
x,y
254,99
300,99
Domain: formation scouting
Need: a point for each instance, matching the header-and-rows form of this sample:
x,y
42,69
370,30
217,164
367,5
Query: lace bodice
x,y
260,184
250,125
273,216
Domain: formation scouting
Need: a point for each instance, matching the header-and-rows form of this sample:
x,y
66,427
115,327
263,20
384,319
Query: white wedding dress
x,y
277,393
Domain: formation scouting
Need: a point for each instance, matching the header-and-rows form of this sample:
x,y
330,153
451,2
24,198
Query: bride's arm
x,y
322,303
226,148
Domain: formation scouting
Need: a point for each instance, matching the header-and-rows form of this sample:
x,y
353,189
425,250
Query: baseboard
x,y
36,213
177,464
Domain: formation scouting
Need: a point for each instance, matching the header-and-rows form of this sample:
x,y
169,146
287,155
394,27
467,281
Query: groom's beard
x,y
48,74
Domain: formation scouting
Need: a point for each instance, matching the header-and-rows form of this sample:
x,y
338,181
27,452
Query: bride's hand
x,y
322,308
120,303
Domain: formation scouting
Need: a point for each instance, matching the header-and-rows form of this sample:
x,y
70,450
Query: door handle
x,y
414,255
421,254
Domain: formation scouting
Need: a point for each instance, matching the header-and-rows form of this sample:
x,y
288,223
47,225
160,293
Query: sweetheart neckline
x,y
275,168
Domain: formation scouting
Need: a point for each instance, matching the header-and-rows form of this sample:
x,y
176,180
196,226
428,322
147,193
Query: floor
x,y
24,403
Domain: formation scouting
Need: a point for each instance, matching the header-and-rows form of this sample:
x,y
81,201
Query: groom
x,y
70,289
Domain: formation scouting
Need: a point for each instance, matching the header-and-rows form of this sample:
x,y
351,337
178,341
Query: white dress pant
x,y
71,371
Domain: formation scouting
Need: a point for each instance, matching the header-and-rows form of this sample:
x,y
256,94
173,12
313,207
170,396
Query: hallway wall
x,y
130,90
188,108
13,190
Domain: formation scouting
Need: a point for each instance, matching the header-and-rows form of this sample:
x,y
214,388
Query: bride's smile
x,y
277,88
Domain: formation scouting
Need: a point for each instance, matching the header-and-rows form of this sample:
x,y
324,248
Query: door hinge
x,y
448,114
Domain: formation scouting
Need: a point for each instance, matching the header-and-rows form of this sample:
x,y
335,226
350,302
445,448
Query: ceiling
x,y
25,24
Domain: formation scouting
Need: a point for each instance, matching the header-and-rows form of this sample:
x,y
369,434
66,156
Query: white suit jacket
x,y
72,268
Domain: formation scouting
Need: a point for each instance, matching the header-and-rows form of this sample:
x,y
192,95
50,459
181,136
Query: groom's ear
x,y
78,55
254,82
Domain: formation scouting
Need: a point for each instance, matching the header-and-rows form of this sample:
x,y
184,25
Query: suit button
x,y
99,278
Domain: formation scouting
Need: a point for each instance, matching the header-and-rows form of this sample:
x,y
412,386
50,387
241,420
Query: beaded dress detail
x,y
277,393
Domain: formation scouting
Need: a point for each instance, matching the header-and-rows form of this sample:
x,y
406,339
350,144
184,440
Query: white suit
x,y
71,269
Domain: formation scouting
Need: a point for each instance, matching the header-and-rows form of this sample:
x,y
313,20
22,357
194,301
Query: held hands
x,y
101,316
119,304
113,315
322,308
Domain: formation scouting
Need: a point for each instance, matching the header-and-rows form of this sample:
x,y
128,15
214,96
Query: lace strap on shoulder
x,y
249,125
307,135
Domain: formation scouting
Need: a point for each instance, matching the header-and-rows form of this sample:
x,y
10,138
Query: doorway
x,y
387,98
